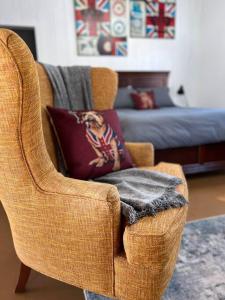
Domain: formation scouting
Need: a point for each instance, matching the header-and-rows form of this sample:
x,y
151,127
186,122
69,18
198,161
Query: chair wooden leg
x,y
23,278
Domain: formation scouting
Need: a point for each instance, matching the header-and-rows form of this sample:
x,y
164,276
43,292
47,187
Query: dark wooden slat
x,y
143,79
214,152
204,158
203,168
183,156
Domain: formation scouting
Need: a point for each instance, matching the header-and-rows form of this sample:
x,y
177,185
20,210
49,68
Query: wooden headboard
x,y
143,79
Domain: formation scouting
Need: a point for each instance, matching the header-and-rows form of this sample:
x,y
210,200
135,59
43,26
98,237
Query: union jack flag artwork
x,y
101,27
153,18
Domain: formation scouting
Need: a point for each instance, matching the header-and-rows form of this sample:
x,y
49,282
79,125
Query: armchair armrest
x,y
153,240
142,154
72,231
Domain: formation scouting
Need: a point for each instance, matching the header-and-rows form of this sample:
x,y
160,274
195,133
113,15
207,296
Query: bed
x,y
192,137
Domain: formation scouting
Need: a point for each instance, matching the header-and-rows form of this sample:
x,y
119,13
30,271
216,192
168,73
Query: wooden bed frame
x,y
198,159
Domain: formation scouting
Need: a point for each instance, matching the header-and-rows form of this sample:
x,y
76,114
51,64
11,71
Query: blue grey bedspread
x,y
172,127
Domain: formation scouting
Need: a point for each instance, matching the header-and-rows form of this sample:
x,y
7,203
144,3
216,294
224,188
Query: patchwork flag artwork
x,y
153,18
101,27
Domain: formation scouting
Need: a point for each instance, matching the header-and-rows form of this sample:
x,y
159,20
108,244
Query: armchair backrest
x,y
22,146
24,157
19,73
104,89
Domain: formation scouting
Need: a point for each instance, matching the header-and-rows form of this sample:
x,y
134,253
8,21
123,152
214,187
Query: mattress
x,y
173,127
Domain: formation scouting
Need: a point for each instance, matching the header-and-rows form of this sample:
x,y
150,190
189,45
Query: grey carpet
x,y
200,269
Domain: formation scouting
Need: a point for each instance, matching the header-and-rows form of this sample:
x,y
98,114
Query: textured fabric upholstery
x,y
46,99
140,282
70,229
142,154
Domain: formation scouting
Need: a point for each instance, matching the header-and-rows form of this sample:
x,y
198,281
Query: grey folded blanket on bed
x,y
144,193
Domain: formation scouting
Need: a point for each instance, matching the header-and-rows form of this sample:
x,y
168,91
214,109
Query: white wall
x,y
211,63
56,41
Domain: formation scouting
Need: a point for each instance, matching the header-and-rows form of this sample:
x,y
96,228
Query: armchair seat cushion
x,y
150,241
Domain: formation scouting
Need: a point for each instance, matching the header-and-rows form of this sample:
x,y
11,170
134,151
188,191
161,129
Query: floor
x,y
207,195
207,198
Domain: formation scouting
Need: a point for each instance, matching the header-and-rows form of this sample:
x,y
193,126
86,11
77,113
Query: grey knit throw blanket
x,y
144,193
71,86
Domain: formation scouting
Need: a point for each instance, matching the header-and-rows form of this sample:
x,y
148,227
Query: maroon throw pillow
x,y
144,100
92,143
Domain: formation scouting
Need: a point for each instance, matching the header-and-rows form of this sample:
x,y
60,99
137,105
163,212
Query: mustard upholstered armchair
x,y
70,229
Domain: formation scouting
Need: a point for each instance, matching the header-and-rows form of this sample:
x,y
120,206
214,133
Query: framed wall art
x,y
152,19
101,27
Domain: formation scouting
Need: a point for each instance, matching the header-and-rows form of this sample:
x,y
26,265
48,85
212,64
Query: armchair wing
x,y
142,154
